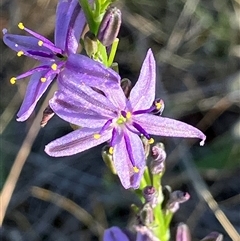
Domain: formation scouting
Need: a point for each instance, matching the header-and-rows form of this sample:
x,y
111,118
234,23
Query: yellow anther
x,y
13,80
128,115
110,150
151,141
121,120
40,43
158,105
54,66
135,169
20,53
96,136
21,26
43,79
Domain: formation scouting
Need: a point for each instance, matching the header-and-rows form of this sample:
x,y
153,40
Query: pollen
x,y
128,115
54,66
158,105
43,79
13,80
21,26
110,150
40,43
135,169
96,136
121,120
20,53
151,141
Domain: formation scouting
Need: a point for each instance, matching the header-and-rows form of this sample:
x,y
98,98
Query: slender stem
x,y
113,51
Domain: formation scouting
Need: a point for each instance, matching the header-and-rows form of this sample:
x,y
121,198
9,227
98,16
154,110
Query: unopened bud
x,y
214,236
90,43
109,27
108,159
146,215
47,115
176,198
159,155
183,233
150,195
126,85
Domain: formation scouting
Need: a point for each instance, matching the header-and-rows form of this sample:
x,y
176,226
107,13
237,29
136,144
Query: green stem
x,y
113,51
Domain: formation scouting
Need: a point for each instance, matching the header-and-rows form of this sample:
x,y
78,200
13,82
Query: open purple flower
x,y
116,234
53,57
116,119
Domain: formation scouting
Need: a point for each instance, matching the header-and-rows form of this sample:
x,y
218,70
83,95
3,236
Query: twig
x,y
71,207
20,159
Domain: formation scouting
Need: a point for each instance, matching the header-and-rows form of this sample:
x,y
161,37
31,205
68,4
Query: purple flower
x,y
116,234
53,57
117,119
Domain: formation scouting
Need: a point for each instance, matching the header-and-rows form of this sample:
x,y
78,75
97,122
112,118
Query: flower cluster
x,y
104,108
104,113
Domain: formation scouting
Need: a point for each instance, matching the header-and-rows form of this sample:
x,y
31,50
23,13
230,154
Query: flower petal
x,y
27,45
143,93
123,163
162,126
76,142
81,70
70,21
72,111
114,234
35,90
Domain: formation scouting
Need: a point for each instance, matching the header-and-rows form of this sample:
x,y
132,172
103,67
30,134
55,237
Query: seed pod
x,y
109,27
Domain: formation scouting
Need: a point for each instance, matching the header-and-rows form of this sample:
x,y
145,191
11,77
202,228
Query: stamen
x,y
20,53
151,141
121,120
110,150
128,115
13,80
43,79
54,66
96,136
135,169
21,26
40,43
158,105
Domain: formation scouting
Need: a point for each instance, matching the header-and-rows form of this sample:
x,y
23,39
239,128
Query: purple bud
x,y
176,198
146,215
126,85
109,27
159,155
214,236
183,233
150,195
47,115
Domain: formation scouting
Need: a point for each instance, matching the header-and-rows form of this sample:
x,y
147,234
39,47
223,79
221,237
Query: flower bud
x,y
176,198
109,27
146,215
90,44
183,233
47,115
214,236
126,85
150,195
159,155
108,159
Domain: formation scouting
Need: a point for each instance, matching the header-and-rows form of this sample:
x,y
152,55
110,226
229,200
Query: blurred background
x,y
196,44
